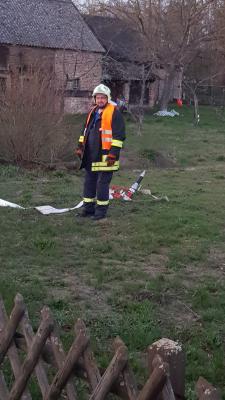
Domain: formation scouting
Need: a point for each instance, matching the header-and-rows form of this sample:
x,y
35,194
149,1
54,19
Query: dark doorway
x,y
116,88
135,93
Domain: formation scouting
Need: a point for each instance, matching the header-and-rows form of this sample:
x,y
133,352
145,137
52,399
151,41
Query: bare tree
x,y
206,70
171,32
30,129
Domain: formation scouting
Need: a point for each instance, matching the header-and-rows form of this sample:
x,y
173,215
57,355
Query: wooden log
x,y
65,372
122,387
4,393
89,363
28,333
155,382
205,391
128,379
12,351
46,355
11,326
130,383
79,370
167,390
118,388
60,357
33,355
171,353
111,374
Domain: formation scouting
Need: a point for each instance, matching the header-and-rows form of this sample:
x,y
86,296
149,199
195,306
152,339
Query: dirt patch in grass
x,y
157,159
175,312
213,268
168,288
171,310
216,261
146,159
173,307
155,264
85,295
130,160
161,161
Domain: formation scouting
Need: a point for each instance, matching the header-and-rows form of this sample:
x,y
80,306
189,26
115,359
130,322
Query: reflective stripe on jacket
x,y
107,140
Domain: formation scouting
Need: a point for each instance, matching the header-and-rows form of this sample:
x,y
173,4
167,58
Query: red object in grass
x,y
179,102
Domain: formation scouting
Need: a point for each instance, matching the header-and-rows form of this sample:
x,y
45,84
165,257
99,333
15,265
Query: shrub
x,y
31,123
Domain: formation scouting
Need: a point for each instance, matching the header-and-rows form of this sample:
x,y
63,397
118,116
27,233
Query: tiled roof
x,y
45,23
117,37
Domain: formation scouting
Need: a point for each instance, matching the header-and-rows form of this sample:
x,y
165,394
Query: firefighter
x,y
99,150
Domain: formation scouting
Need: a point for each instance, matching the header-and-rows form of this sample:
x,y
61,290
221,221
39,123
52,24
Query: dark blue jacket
x,y
93,147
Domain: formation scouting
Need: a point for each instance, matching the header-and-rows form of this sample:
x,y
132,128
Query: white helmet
x,y
102,89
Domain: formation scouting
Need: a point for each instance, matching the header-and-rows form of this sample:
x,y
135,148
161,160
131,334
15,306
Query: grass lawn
x,y
152,270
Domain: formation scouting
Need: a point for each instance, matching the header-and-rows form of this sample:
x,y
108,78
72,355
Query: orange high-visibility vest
x,y
106,138
106,126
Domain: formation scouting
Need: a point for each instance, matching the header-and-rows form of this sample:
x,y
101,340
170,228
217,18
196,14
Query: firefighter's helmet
x,y
102,89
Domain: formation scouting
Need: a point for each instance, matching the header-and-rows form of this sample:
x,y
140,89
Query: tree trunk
x,y
196,109
166,94
141,103
193,90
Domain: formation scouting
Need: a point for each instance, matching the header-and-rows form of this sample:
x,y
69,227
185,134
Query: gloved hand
x,y
111,158
79,152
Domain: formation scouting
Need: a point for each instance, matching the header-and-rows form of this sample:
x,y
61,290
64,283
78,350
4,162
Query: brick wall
x,y
83,65
63,64
26,56
77,105
87,67
21,61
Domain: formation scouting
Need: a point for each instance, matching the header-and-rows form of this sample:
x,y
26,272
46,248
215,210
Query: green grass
x,y
179,140
154,269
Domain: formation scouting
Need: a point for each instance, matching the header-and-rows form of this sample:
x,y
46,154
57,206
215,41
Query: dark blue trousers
x,y
96,184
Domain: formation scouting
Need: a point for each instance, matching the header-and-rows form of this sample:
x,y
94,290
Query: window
x,y
73,84
23,69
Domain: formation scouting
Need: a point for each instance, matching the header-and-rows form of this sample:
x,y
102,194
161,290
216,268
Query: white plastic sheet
x,y
45,210
165,113
4,203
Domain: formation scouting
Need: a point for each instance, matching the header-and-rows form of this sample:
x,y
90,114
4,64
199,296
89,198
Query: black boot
x,y
98,217
87,210
100,213
85,213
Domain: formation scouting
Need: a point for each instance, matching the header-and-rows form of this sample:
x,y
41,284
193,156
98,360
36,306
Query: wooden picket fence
x,y
41,353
